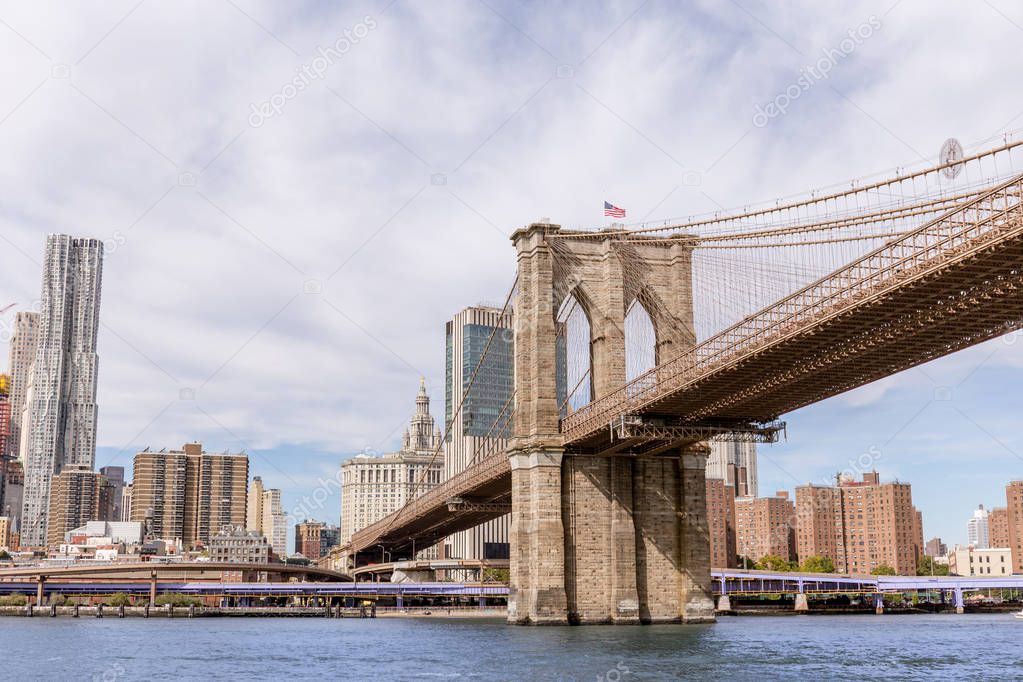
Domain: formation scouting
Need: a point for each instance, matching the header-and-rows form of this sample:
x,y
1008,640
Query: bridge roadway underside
x,y
432,519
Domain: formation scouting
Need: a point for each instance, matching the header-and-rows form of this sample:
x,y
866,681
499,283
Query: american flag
x,y
613,211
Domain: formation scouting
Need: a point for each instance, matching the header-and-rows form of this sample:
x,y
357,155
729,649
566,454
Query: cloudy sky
x,y
287,232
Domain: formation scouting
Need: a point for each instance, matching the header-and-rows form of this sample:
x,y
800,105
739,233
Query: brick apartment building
x,y
1014,512
998,527
189,494
721,523
765,526
860,525
77,495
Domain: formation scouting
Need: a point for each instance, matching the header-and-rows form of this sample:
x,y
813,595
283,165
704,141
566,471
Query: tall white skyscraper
x,y
977,529
22,353
275,522
736,465
483,425
264,515
63,409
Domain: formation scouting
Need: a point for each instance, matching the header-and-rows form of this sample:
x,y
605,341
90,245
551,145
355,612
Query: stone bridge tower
x,y
594,538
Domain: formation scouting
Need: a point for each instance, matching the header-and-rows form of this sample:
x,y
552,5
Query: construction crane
x,y
6,308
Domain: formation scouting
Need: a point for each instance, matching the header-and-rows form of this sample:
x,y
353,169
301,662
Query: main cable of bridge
x,y
791,205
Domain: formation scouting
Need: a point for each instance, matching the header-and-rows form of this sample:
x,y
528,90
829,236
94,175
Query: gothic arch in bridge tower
x,y
573,357
640,340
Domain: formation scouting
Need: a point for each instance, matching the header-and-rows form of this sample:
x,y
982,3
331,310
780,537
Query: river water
x,y
941,646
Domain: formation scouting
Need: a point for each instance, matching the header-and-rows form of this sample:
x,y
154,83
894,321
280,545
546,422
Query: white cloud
x,y
203,270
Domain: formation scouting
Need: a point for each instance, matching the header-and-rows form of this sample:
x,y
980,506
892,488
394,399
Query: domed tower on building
x,y
422,436
375,486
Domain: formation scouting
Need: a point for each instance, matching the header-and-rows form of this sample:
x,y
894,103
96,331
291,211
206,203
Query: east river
x,y
752,647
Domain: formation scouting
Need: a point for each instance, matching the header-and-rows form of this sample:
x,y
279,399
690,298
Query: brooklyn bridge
x,y
753,313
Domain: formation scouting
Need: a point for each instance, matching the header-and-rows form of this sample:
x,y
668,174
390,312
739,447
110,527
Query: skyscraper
x,y
978,533
63,409
254,506
21,355
275,522
5,415
483,424
736,465
115,477
265,516
126,494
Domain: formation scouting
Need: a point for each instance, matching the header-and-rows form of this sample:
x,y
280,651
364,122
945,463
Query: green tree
x,y
818,564
119,599
883,569
496,575
5,555
746,562
772,562
928,566
175,599
14,599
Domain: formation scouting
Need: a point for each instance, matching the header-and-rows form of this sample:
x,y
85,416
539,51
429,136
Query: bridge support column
x,y
724,604
636,542
152,589
536,591
624,593
960,604
40,582
879,604
696,595
802,605
600,540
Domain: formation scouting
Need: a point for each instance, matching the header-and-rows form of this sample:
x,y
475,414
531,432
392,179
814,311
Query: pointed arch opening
x,y
573,356
640,341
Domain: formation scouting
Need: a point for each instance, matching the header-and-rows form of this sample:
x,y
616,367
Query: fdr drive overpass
x,y
151,577
147,580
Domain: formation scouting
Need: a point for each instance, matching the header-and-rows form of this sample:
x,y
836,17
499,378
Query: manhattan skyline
x,y
282,288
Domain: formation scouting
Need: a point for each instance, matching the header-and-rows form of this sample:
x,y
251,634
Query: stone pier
x,y
609,540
